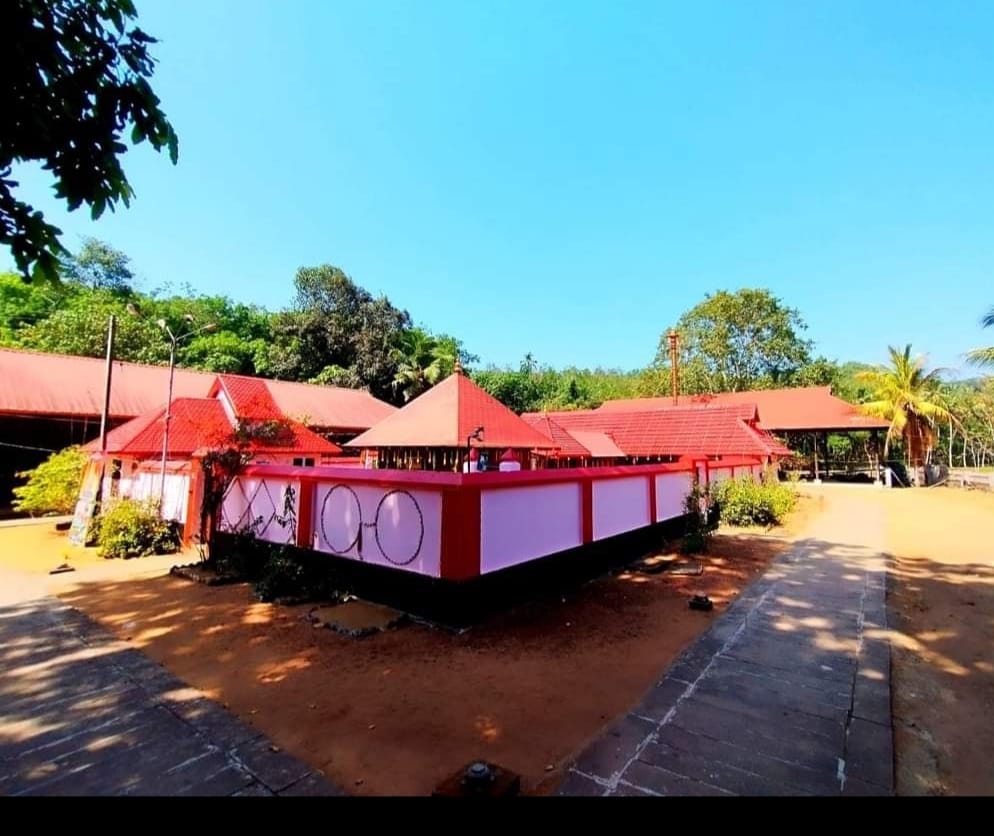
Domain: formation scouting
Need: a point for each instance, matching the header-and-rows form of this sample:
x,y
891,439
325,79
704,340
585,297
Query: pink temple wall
x,y
446,525
260,502
620,505
671,491
400,527
524,523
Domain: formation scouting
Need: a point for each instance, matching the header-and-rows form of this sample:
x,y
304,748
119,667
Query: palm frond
x,y
932,410
981,356
878,409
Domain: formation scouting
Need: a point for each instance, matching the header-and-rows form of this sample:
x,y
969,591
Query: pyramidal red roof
x,y
801,408
447,414
704,431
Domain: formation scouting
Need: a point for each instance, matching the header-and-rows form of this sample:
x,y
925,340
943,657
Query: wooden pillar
x,y
817,473
194,498
875,455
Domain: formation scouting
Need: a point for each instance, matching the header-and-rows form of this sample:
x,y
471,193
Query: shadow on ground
x,y
942,618
83,714
398,711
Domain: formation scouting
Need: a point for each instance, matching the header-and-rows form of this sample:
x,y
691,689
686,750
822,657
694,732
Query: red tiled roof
x,y
195,424
705,431
37,383
574,444
802,408
446,414
328,407
569,447
249,397
600,445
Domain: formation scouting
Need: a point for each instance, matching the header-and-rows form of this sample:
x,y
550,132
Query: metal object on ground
x,y
480,779
701,602
62,567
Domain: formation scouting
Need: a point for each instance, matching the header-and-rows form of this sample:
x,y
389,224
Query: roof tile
x,y
800,408
447,414
38,383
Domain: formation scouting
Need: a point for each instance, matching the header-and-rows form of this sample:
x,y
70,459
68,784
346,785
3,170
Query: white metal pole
x,y
105,415
165,432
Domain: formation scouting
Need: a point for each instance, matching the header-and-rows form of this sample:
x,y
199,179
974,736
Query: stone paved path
x,y
84,714
788,693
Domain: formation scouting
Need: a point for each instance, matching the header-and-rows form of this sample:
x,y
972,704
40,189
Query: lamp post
x,y
174,341
674,338
478,435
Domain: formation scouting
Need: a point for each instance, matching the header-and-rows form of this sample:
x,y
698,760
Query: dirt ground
x,y
395,713
941,599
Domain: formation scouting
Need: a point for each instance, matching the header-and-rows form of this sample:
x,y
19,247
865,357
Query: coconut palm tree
x,y
908,396
422,361
983,356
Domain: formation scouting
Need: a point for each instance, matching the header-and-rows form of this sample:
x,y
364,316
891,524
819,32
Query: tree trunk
x,y
951,436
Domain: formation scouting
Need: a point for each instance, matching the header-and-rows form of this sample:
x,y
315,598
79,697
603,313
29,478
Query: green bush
x,y
294,574
129,528
747,502
242,553
53,486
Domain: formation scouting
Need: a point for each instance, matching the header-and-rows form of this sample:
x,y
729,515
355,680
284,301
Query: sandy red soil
x,y
942,614
396,712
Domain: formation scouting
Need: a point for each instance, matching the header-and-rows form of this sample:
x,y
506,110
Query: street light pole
x,y
169,411
173,343
108,372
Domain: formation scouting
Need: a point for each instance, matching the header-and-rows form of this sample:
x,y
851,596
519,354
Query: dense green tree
x,y
336,323
737,341
23,304
850,382
818,372
335,376
72,317
908,395
75,79
79,326
99,266
53,486
523,390
238,342
967,434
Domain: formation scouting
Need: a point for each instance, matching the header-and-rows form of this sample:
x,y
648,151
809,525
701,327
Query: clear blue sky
x,y
567,177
